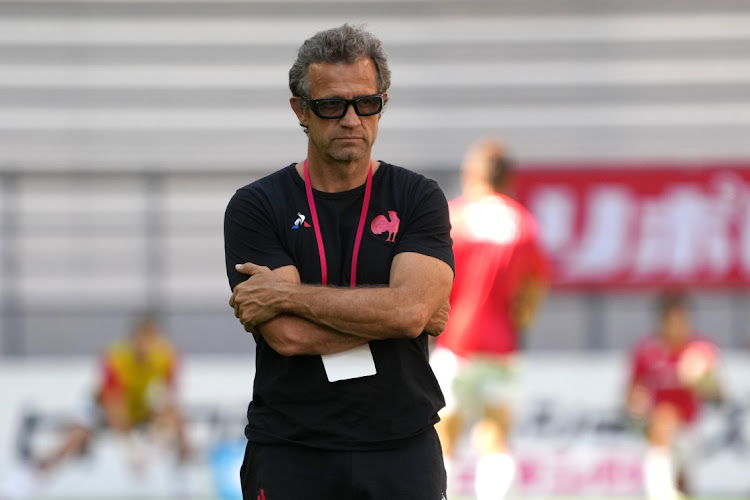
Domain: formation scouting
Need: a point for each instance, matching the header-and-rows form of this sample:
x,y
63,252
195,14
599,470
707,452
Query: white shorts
x,y
470,385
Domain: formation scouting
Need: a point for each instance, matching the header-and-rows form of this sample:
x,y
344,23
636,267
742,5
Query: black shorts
x,y
412,471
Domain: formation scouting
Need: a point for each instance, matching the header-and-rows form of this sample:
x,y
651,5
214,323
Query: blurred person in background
x,y
501,276
344,400
135,398
672,372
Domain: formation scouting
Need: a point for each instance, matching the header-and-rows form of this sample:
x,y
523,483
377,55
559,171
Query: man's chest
x,y
343,234
661,368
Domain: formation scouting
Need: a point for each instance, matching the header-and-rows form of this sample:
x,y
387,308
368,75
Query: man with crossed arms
x,y
341,267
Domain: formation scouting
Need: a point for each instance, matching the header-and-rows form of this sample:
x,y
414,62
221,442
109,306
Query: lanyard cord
x,y
319,235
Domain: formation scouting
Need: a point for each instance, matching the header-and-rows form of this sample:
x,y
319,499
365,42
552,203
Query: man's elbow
x,y
280,340
412,333
413,322
285,345
284,349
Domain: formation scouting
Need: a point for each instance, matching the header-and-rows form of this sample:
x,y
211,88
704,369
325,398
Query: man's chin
x,y
348,155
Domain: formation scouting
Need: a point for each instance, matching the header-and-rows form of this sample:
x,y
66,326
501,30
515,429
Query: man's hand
x,y
437,322
259,298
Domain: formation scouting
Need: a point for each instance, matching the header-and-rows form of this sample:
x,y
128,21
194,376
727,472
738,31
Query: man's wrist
x,y
292,300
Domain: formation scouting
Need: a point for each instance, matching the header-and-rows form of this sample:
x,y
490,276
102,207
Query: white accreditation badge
x,y
354,363
357,362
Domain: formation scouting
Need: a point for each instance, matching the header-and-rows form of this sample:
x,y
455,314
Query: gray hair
x,y
345,44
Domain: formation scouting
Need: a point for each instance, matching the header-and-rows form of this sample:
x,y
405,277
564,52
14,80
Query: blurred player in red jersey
x,y
135,392
501,276
672,372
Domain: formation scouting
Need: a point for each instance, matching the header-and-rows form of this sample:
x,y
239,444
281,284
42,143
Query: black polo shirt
x,y
268,222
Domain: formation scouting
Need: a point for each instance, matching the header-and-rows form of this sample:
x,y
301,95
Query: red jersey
x,y
655,366
496,247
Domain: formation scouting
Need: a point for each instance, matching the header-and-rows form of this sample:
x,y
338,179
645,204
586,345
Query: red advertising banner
x,y
647,226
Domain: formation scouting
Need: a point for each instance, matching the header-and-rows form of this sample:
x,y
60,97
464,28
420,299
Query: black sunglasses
x,y
335,108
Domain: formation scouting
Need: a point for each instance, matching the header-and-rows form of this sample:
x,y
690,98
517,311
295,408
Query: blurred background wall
x,y
126,126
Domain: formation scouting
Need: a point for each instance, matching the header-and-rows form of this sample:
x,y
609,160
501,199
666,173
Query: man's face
x,y
351,137
676,325
144,339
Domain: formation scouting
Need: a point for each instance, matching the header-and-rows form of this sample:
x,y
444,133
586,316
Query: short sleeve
x,y
250,235
428,228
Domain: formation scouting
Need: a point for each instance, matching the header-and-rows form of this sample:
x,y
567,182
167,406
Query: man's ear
x,y
385,102
296,103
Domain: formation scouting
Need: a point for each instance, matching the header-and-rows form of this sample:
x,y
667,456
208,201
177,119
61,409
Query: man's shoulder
x,y
410,183
401,174
270,182
520,211
268,191
703,342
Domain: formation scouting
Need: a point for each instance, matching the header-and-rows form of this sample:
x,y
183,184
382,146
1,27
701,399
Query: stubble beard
x,y
347,154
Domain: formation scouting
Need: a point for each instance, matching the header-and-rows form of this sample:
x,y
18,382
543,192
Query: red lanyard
x,y
319,236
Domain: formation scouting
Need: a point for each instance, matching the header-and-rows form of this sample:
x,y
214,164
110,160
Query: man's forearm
x,y
292,336
369,313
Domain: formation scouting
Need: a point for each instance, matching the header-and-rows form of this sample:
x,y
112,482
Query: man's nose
x,y
351,118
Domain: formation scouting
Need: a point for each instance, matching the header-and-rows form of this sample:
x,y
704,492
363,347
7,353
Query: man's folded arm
x,y
293,336
418,289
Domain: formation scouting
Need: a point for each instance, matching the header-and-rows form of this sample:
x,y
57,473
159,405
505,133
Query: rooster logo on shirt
x,y
381,224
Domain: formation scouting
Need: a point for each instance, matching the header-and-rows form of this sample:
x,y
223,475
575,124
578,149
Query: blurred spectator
x,y
501,276
672,372
135,398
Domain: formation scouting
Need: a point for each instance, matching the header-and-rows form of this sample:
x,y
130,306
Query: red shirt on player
x,y
496,247
660,369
